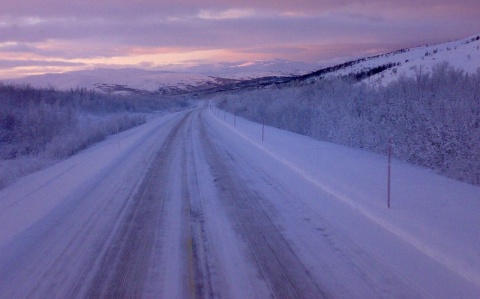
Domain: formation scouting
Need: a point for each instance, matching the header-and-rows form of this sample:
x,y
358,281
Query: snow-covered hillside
x,y
384,68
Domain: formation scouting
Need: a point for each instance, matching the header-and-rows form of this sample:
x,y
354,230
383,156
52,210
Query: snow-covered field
x,y
195,204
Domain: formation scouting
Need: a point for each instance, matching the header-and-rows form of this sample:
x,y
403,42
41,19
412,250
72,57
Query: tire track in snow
x,y
124,268
271,252
199,265
57,257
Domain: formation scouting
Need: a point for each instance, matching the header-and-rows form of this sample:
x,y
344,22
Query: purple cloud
x,y
297,30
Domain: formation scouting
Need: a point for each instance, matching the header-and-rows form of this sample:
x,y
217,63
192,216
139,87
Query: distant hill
x,y
120,80
170,79
375,70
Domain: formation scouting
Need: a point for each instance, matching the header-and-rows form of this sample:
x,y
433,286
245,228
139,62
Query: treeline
x,y
48,124
432,118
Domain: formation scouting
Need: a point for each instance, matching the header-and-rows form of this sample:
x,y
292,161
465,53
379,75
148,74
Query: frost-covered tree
x,y
432,118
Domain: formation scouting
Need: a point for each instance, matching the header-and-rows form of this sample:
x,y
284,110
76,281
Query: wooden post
x,y
389,168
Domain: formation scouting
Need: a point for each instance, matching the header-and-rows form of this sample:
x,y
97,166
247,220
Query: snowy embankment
x,y
434,215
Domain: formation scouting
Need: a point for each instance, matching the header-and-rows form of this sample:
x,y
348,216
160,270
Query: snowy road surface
x,y
189,206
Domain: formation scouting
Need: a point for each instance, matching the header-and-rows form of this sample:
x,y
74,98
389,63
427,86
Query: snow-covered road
x,y
189,206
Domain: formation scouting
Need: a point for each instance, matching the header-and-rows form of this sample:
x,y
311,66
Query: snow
x,y
436,216
328,201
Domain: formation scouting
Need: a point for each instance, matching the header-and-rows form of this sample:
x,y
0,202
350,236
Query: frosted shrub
x,y
89,131
39,125
433,119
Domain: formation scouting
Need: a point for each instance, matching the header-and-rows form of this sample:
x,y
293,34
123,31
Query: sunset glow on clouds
x,y
53,35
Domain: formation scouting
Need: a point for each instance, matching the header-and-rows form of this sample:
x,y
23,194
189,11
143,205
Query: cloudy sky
x,y
62,35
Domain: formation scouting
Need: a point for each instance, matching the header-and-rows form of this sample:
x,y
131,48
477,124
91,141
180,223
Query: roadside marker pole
x,y
389,170
235,120
263,128
224,114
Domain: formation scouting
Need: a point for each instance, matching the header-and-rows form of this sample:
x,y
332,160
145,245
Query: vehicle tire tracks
x,y
278,264
124,267
200,267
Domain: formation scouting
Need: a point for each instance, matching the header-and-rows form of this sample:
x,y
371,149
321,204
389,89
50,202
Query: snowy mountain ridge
x,y
168,79
119,80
